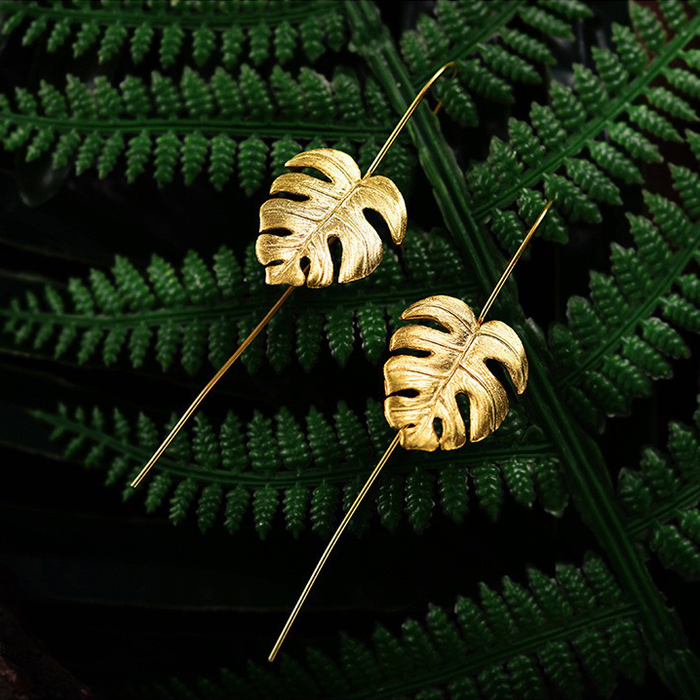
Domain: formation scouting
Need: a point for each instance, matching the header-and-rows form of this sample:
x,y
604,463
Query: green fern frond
x,y
594,137
246,126
218,473
220,110
224,31
622,338
203,310
587,475
662,499
466,32
554,634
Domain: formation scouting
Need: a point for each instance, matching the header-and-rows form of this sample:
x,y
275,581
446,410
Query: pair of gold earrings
x,y
421,387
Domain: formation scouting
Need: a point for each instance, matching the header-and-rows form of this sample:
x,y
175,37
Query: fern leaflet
x,y
203,310
202,32
217,473
552,635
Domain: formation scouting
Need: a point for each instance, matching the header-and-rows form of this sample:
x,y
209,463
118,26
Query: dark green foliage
x,y
567,154
208,127
239,90
662,499
605,121
419,502
191,313
485,69
616,343
303,466
214,30
529,646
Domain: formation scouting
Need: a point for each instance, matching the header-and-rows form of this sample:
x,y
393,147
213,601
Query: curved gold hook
x,y
513,262
407,115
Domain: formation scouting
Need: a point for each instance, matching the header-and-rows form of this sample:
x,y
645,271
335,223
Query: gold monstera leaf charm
x,y
329,210
422,390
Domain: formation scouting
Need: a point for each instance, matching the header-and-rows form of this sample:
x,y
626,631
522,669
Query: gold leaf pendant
x,y
329,210
454,362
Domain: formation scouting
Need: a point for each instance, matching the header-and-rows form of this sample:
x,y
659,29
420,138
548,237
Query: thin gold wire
x,y
407,115
256,331
329,548
385,457
210,385
513,262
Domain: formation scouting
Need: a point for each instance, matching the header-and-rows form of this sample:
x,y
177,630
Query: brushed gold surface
x,y
329,210
454,364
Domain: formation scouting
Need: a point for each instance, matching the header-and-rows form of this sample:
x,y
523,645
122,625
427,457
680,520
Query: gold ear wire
x,y
407,115
283,298
452,65
513,262
210,385
393,445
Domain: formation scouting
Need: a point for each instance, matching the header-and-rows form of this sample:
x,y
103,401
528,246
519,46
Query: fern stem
x,y
688,496
306,130
616,106
583,464
238,309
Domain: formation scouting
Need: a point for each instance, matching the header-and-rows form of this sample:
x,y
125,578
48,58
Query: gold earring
x,y
330,210
450,363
